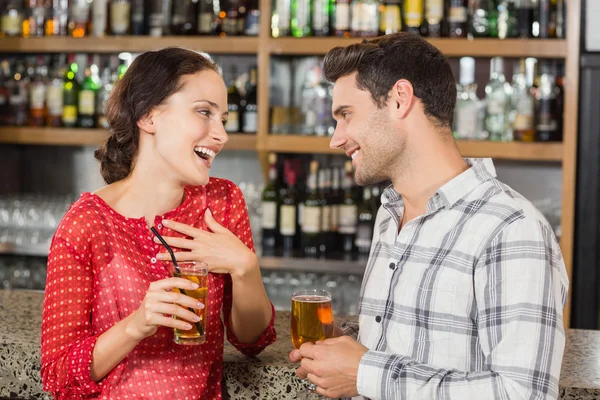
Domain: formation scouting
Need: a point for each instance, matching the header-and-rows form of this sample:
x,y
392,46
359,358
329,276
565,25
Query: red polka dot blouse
x,y
99,268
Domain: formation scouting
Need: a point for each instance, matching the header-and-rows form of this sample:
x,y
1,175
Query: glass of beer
x,y
196,272
312,319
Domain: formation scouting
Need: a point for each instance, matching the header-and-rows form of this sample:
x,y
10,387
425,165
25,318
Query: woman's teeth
x,y
205,151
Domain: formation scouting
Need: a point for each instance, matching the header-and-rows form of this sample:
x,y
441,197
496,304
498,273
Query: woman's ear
x,y
146,123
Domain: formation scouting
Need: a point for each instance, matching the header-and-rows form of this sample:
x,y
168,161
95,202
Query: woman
x,y
107,330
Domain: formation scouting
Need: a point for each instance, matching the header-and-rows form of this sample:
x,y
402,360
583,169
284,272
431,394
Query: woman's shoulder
x,y
79,214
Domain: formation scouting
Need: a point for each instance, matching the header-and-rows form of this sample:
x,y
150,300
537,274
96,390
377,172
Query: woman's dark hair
x,y
381,62
151,79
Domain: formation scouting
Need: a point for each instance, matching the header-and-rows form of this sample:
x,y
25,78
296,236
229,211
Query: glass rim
x,y
196,266
320,292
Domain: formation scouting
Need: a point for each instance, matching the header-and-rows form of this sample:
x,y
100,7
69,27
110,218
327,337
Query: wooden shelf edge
x,y
116,44
543,48
517,151
90,137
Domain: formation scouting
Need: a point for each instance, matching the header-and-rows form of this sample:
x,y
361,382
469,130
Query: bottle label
x,y
69,115
495,106
319,16
457,15
252,24
302,13
347,218
54,100
326,218
80,13
119,17
250,121
468,122
205,21
523,122
87,102
283,14
364,17
233,122
287,220
11,24
434,10
37,96
269,215
364,236
311,219
391,22
99,18
156,24
342,17
413,12
335,217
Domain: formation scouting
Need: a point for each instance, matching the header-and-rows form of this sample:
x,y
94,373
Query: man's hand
x,y
332,365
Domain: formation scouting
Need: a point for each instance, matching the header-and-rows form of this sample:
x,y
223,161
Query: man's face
x,y
366,133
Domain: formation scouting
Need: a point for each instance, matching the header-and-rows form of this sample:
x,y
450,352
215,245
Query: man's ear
x,y
146,123
403,97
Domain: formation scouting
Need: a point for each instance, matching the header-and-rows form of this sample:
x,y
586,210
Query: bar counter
x,y
269,376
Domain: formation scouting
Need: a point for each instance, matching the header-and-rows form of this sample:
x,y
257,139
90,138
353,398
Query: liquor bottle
x,y
342,18
183,19
100,17
347,211
54,94
231,22
157,19
321,17
468,113
497,96
308,102
270,204
12,18
120,16
301,18
107,81
37,17
390,20
544,19
484,21
87,98
523,105
79,25
70,94
250,116
166,9
560,19
37,94
508,26
413,15
19,95
547,129
252,20
458,18
288,210
233,104
365,17
5,76
57,24
138,17
208,16
364,232
311,214
281,18
525,15
434,19
326,208
334,204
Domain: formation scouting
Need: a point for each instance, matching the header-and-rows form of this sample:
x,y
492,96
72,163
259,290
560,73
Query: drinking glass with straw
x,y
196,272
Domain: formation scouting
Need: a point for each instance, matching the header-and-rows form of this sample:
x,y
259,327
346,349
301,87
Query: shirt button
x,y
159,226
153,260
392,266
378,318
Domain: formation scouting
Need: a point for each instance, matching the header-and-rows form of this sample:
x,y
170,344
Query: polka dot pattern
x,y
99,268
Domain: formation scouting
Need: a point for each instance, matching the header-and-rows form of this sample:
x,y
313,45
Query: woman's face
x,y
189,127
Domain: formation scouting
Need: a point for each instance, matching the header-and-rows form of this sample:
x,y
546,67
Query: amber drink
x,y
312,317
198,273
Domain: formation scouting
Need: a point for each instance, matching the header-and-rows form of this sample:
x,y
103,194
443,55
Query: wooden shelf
x,y
90,137
477,149
543,48
134,44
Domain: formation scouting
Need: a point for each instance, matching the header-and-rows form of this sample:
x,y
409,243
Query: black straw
x,y
177,272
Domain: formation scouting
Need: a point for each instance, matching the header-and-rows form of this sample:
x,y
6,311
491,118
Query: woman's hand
x,y
161,300
220,249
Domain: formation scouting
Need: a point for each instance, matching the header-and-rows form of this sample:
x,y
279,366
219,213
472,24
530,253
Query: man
x,y
463,292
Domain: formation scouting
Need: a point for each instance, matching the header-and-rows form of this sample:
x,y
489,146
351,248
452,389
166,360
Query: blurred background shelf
x,y
543,48
90,137
134,44
478,149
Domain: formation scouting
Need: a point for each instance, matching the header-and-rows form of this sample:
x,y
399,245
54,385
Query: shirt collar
x,y
481,170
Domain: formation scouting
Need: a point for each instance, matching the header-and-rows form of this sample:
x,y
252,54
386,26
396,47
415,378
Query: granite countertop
x,y
270,376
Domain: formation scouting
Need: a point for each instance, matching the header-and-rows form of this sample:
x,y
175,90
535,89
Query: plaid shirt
x,y
465,302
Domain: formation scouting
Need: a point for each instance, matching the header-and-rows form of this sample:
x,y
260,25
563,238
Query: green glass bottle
x,y
484,21
87,98
301,18
70,95
270,205
311,215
